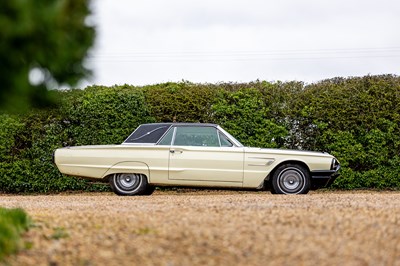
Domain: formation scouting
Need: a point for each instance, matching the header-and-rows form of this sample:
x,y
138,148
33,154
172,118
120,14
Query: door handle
x,y
173,151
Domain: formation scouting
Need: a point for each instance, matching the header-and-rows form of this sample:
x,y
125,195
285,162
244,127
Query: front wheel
x,y
291,179
129,184
149,190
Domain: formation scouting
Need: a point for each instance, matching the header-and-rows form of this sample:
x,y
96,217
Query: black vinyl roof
x,y
151,133
183,124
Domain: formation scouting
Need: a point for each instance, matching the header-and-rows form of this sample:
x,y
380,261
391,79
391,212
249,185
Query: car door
x,y
202,153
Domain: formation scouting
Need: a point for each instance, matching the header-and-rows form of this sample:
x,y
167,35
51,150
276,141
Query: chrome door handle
x,y
173,151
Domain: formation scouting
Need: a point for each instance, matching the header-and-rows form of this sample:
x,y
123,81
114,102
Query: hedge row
x,y
355,119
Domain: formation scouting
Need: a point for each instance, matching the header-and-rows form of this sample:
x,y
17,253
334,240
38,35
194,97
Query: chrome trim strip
x,y
173,136
230,137
255,164
165,133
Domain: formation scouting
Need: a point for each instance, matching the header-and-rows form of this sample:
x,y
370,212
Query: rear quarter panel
x,y
100,161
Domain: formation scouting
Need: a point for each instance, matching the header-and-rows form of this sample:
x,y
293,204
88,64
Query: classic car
x,y
195,155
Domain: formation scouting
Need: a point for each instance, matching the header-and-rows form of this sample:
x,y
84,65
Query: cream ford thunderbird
x,y
195,155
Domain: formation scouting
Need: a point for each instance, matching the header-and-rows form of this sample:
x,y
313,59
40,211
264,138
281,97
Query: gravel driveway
x,y
189,227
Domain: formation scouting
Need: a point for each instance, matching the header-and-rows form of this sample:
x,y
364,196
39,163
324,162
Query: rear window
x,y
149,133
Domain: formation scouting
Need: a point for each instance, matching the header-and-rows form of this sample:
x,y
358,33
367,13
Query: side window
x,y
167,139
196,136
225,142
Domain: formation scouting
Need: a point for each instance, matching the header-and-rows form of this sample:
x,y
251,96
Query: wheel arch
x,y
267,180
128,167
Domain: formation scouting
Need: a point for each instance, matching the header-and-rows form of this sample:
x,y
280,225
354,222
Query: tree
x,y
43,45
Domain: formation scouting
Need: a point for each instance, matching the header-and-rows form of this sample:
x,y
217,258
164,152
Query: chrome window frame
x,y
171,127
234,141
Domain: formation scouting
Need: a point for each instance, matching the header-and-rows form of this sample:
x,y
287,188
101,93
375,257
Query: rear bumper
x,y
320,179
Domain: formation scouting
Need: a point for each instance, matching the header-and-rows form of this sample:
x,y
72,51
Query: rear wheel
x,y
291,179
129,184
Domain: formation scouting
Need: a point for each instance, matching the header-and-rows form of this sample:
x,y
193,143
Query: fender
x,y
129,167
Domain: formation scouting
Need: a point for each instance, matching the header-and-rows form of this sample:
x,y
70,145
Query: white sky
x,y
146,42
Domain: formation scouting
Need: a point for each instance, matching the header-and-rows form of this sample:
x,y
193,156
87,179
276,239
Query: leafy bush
x,y
180,102
244,114
355,119
97,115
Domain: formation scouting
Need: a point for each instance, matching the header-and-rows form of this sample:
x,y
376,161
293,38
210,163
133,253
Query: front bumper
x,y
320,179
325,178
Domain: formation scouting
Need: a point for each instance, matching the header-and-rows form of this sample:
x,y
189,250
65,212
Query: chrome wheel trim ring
x,y
291,180
127,182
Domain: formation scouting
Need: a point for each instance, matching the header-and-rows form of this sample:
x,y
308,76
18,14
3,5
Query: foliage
x,y
47,38
104,115
180,102
9,125
13,222
355,119
244,113
98,115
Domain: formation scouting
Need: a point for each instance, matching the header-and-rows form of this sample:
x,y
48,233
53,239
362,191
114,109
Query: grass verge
x,y
13,222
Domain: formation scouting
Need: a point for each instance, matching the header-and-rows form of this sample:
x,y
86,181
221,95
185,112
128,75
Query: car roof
x,y
153,132
183,124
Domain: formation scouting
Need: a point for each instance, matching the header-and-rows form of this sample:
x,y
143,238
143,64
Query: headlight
x,y
335,165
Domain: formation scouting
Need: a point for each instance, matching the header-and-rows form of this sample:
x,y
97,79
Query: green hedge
x,y
355,119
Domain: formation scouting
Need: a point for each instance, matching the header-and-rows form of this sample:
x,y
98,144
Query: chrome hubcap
x,y
127,181
291,180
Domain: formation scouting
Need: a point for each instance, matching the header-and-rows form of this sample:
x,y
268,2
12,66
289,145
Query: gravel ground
x,y
189,227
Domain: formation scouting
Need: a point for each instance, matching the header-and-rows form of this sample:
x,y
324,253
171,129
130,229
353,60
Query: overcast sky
x,y
146,42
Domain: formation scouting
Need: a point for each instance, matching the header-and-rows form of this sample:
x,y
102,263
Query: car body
x,y
195,155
